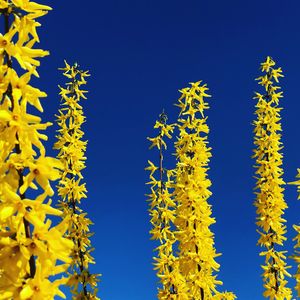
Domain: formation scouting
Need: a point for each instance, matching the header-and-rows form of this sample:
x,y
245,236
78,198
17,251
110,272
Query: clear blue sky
x,y
139,54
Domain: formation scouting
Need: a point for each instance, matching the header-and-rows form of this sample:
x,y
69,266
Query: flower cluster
x,y
71,189
191,191
31,250
180,213
270,201
162,212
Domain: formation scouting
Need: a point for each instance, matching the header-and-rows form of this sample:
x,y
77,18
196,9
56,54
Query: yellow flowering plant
x,y
40,243
191,190
71,189
162,213
270,203
180,213
31,250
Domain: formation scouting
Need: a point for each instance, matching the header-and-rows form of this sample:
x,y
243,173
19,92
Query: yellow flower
x,y
40,287
265,66
152,168
30,6
42,170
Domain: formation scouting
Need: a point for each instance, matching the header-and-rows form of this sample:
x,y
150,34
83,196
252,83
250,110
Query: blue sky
x,y
139,54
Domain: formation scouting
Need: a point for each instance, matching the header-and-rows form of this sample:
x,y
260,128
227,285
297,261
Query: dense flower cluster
x,y
180,213
162,212
193,215
31,250
71,189
270,202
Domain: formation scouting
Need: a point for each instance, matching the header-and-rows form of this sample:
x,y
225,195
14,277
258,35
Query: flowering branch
x,y
71,189
270,202
193,215
30,248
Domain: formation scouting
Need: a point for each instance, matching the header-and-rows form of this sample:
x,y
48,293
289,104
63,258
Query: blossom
x,y
32,250
71,189
270,203
193,216
180,213
162,213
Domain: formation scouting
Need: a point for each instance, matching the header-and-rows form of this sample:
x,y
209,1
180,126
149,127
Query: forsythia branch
x,y
31,251
71,189
162,210
180,213
270,202
193,214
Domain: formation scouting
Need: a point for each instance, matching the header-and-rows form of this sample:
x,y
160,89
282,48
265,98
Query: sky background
x,y
139,54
